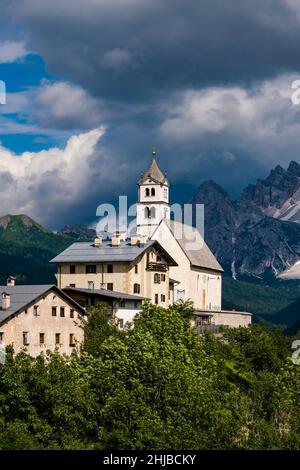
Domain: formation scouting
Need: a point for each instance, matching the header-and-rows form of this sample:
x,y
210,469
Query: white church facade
x,y
197,275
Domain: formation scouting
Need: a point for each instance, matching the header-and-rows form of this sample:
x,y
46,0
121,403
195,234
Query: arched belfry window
x,y
152,213
147,213
152,191
147,192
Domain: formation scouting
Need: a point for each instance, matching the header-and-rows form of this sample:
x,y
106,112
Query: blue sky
x,y
93,85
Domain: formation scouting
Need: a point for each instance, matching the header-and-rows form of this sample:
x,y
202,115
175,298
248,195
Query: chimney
x,y
5,301
122,235
134,240
11,281
143,239
98,241
115,240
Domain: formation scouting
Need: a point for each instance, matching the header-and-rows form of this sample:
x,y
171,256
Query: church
x,y
165,261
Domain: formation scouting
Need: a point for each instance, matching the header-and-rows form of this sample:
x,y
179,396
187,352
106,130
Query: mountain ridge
x,y
247,234
23,239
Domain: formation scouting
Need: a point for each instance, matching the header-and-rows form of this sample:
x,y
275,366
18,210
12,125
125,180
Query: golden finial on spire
x,y
153,151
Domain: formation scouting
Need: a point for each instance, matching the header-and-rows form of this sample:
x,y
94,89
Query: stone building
x,y
133,266
39,318
122,308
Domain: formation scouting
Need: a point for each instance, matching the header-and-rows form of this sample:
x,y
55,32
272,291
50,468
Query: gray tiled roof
x,y
86,252
195,248
23,296
104,293
20,296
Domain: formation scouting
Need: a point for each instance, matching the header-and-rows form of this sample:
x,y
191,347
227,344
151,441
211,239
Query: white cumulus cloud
x,y
50,183
262,122
65,105
10,51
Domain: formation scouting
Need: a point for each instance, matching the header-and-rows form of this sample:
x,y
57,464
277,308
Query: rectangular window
x,y
110,286
121,323
163,277
122,304
163,298
72,269
57,339
158,259
180,294
156,278
26,311
91,269
25,338
35,310
110,268
156,299
1,337
62,311
54,311
136,269
72,339
72,313
73,285
42,338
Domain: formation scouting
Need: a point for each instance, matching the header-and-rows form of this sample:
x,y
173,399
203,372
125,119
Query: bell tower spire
x,y
153,198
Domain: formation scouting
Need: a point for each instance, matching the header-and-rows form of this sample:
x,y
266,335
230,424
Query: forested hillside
x,y
26,249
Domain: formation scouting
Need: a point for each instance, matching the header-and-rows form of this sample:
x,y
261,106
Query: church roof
x,y
154,173
86,252
193,245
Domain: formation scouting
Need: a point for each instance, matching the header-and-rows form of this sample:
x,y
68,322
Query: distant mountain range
x,y
79,230
258,234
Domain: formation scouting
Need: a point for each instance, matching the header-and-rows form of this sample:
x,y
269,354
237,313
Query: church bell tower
x,y
153,199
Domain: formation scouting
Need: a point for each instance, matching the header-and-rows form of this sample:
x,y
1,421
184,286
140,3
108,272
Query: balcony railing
x,y
159,267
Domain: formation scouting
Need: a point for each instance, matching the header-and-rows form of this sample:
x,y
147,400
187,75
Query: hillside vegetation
x,y
277,302
158,386
26,249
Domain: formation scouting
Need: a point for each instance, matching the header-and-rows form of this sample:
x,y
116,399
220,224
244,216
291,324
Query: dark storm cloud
x,y
133,49
208,82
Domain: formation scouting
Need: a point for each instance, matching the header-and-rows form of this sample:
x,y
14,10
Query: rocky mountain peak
x,y
294,169
256,234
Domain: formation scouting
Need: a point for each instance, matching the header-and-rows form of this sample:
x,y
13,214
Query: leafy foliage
x,y
159,385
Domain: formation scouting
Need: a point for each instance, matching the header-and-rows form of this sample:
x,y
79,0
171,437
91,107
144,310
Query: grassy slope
x,y
261,299
25,251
